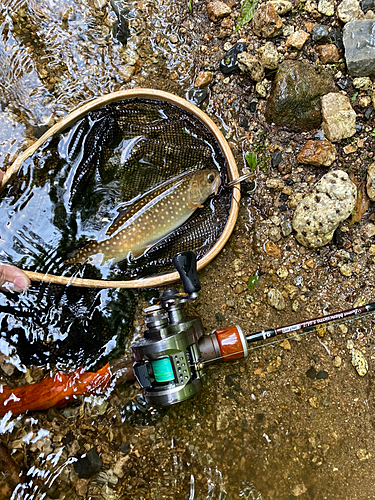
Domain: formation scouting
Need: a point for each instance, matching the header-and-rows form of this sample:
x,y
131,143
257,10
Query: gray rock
x,y
371,182
318,214
359,43
338,117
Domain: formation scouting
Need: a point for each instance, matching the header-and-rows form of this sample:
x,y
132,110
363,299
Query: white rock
x,y
338,117
371,182
318,214
326,7
349,10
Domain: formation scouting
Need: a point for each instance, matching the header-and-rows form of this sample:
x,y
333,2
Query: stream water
x,y
268,427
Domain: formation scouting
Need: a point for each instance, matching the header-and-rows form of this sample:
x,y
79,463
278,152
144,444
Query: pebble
x,y
338,117
363,454
326,7
282,272
266,21
328,53
314,402
204,78
362,83
318,214
216,10
269,56
319,33
346,270
285,344
276,299
317,153
286,228
251,65
298,490
349,10
281,6
370,185
297,39
272,249
276,184
88,464
337,362
359,362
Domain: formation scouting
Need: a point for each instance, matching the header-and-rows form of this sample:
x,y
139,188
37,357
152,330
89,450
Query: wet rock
x,y
322,375
318,214
346,270
359,43
266,21
197,96
311,373
269,55
326,7
226,27
338,117
294,101
251,65
204,78
281,6
367,5
371,182
286,228
276,299
328,53
88,464
216,10
126,72
319,33
276,158
317,153
359,362
349,10
229,62
297,39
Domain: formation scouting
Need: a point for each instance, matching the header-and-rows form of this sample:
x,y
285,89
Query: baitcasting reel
x,y
171,356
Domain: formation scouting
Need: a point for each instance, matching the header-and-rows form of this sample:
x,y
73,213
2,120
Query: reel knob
x,y
186,265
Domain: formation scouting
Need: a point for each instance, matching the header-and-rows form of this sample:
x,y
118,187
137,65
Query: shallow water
x,y
261,428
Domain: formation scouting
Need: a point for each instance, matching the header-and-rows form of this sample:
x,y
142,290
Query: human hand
x,y
13,279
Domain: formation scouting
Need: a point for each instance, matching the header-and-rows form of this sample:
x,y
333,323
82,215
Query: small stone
x,y
322,375
349,10
349,149
269,55
350,344
216,10
295,305
319,33
299,490
326,7
369,230
346,270
282,272
281,6
272,249
337,362
359,362
266,21
276,184
362,454
285,344
328,53
239,289
274,365
338,117
317,153
173,39
286,228
370,186
297,40
204,78
362,83
126,73
251,65
314,402
88,464
276,299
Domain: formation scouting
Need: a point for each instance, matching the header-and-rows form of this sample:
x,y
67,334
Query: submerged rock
x,y
359,43
318,214
295,96
338,117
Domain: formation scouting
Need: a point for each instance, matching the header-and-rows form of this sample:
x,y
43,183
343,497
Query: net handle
x,y
79,113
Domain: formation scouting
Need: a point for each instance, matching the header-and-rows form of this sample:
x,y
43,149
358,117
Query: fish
x,y
150,218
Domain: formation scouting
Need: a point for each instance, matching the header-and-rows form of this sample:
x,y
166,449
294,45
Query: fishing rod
x,y
169,360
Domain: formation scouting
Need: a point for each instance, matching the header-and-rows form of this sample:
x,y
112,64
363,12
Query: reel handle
x,y
186,265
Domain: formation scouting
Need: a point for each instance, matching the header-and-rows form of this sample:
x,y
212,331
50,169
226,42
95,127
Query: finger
x,y
11,274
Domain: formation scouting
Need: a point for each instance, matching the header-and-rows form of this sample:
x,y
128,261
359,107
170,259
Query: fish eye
x,y
211,177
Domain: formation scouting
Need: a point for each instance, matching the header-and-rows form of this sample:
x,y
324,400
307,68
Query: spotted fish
x,y
151,218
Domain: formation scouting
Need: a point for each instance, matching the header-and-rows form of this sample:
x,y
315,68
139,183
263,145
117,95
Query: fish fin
x,y
194,206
